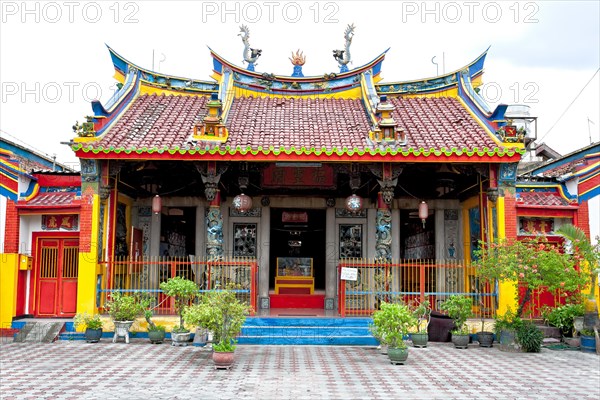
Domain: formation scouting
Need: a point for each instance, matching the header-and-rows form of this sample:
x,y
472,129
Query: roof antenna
x,y
437,67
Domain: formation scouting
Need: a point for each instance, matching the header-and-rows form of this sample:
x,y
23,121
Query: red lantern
x,y
423,212
354,203
242,203
156,204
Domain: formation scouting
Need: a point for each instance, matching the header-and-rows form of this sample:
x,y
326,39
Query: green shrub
x,y
530,337
562,316
459,308
87,321
122,307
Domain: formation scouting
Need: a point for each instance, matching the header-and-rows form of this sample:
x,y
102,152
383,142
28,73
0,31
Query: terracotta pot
x,y
223,359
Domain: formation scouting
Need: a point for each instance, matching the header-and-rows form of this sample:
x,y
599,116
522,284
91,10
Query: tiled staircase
x,y
307,331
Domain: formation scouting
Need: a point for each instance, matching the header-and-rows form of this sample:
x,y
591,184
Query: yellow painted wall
x,y
88,265
507,291
9,272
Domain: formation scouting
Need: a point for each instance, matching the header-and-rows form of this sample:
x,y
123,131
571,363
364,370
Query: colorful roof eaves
x,y
436,83
131,90
588,152
559,189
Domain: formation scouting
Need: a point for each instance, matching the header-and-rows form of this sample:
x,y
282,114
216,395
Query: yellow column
x,y
88,266
9,272
507,291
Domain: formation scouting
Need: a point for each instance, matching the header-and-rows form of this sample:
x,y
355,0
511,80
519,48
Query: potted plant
x,y
588,341
223,314
485,338
392,323
563,317
587,256
124,309
156,333
92,325
421,311
506,327
459,308
183,291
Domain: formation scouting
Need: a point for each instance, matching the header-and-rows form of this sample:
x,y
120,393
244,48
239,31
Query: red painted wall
x,y
11,237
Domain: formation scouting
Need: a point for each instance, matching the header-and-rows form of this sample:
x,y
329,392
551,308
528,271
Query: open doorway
x,y
298,234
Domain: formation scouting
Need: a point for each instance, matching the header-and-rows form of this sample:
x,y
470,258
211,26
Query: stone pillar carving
x,y
383,238
214,230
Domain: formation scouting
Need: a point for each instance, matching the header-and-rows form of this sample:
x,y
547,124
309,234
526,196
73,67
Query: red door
x,y
57,270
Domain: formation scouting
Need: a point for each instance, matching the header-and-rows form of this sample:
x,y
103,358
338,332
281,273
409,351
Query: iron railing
x,y
145,276
410,280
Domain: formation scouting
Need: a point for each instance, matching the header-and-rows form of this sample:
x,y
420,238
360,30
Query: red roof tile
x,y
439,122
53,199
552,199
159,121
298,122
561,170
156,121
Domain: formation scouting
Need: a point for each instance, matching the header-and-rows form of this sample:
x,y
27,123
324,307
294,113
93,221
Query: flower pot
x,y
485,339
93,335
419,339
180,338
578,324
588,344
572,341
461,341
122,330
397,356
508,341
223,359
157,336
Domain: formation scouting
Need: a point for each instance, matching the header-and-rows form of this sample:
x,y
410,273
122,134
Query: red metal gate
x,y
56,273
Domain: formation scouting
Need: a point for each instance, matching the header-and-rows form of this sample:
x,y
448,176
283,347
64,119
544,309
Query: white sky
x,y
53,58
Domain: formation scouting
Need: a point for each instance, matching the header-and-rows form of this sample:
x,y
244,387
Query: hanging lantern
x,y
242,203
354,203
423,212
156,204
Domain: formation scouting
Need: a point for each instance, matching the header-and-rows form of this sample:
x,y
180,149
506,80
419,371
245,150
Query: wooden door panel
x,y
69,297
47,299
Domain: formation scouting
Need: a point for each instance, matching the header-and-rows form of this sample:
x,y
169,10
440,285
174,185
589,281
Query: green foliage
x,y
87,321
587,332
459,308
391,323
421,310
183,291
533,262
584,252
156,328
509,321
222,313
562,316
530,337
122,307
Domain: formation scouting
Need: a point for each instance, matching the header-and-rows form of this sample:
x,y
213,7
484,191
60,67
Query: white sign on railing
x,y
349,274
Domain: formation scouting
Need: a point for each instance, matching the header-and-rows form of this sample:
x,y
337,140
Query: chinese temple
x,y
293,184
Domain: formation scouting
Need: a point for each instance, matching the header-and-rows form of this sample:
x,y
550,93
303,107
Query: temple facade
x,y
301,190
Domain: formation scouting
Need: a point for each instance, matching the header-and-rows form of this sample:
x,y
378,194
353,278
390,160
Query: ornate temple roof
x,y
264,117
541,199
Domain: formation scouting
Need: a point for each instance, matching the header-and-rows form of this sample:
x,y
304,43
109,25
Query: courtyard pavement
x,y
140,370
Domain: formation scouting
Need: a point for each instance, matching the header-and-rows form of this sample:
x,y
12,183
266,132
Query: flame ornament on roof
x,y
343,56
298,59
250,54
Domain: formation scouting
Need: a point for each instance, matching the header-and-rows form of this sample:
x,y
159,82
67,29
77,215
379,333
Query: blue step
x,y
307,331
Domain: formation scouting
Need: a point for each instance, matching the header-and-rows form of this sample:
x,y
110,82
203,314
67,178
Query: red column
x,y
11,236
583,218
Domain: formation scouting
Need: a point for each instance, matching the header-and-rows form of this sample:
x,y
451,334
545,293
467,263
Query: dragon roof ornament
x,y
250,54
343,56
